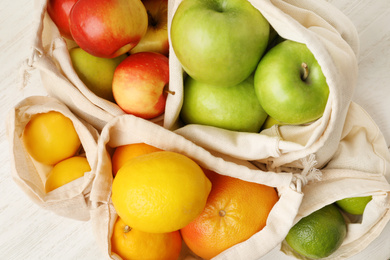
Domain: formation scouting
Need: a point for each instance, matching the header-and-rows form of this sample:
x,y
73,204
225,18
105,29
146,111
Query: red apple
x,y
139,84
108,28
156,37
58,11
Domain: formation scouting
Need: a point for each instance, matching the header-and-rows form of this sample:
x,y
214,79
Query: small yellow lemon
x,y
130,243
125,152
66,171
160,192
50,137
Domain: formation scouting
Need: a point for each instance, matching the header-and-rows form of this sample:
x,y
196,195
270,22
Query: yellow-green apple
x,y
219,42
290,84
156,37
108,29
269,122
96,73
58,11
233,108
140,84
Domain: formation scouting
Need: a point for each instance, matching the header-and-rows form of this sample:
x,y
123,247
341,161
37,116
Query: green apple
x,y
354,205
96,73
234,107
269,122
290,84
219,42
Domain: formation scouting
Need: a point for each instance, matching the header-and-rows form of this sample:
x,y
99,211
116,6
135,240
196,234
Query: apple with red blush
x,y
156,37
140,84
108,29
59,11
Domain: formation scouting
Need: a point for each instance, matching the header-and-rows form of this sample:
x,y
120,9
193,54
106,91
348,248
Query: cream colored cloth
x,y
333,40
129,129
360,167
345,144
70,200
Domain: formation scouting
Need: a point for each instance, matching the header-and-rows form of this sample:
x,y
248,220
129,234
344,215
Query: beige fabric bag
x,y
50,56
360,167
129,129
70,200
333,40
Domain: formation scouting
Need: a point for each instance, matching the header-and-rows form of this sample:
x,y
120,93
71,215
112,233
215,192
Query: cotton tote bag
x,y
128,129
70,200
360,167
333,40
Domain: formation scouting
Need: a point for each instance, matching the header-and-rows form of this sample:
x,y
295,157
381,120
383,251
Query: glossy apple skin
x,y
156,37
282,92
108,28
233,108
95,72
219,42
59,11
139,83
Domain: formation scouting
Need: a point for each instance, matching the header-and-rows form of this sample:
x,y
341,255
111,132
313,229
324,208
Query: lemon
x,y
319,234
66,171
355,205
50,137
160,192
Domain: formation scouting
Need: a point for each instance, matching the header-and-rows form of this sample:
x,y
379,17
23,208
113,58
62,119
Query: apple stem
x,y
169,91
127,229
305,71
222,213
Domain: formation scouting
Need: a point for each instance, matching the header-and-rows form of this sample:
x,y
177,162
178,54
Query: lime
x,y
319,234
355,205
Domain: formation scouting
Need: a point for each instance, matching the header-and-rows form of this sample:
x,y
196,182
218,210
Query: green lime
x,y
355,205
319,234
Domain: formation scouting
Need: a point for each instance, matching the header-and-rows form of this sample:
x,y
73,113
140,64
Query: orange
x,y
125,152
129,243
160,192
50,138
66,171
235,210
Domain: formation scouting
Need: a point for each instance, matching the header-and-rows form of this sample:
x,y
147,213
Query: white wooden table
x,y
29,232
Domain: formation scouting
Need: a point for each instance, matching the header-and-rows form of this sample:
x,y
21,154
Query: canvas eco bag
x,y
50,55
70,200
129,129
333,40
360,167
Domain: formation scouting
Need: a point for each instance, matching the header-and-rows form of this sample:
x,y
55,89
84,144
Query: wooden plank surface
x,y
29,232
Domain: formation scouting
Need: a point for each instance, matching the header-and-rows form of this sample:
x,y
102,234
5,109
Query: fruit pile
x,y
163,195
51,139
121,51
240,71
240,75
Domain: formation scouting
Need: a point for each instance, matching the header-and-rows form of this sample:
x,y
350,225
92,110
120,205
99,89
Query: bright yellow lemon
x,y
160,192
50,137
